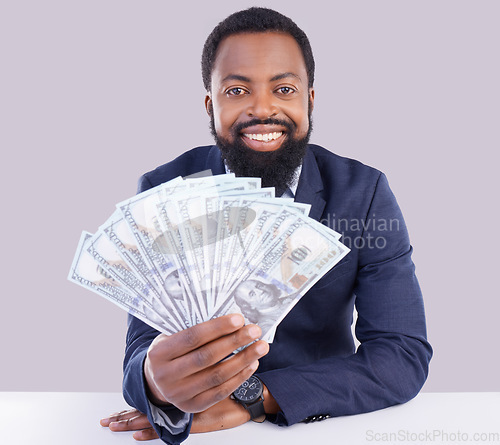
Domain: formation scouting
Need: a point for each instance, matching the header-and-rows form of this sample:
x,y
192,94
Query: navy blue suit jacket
x,y
313,366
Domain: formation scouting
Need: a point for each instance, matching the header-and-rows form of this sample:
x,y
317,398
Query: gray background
x,y
94,93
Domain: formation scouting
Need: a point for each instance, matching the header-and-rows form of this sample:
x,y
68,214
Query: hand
x,y
131,420
221,416
188,370
229,414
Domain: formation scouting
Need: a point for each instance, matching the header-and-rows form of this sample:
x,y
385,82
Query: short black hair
x,y
254,20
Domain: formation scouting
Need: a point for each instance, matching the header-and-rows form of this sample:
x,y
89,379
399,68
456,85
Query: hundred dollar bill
x,y
228,224
88,273
141,216
223,180
224,230
233,218
161,248
208,181
189,250
255,219
185,222
190,232
278,278
273,228
179,247
104,252
188,214
118,232
164,250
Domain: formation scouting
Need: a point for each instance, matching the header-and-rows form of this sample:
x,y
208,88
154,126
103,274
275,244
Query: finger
x,y
169,347
122,415
196,373
147,434
220,373
221,392
132,424
217,350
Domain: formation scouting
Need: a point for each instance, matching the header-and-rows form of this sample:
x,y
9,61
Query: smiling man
x,y
260,105
258,70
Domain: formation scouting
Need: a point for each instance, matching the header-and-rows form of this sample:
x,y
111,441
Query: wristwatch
x,y
249,394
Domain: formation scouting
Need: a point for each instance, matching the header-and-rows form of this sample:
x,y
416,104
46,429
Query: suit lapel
x,y
310,186
215,162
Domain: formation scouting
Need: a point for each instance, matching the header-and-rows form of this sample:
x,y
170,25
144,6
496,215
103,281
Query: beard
x,y
275,168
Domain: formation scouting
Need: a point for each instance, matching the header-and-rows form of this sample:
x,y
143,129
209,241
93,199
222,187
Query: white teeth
x,y
264,137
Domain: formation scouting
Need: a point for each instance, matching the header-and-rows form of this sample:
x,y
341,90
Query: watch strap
x,y
256,410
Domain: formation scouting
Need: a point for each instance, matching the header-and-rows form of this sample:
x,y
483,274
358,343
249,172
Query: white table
x,y
73,419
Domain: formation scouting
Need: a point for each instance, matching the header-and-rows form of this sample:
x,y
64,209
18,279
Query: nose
x,y
262,105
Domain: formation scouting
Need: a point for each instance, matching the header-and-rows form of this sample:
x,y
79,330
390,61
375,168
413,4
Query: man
x,y
258,70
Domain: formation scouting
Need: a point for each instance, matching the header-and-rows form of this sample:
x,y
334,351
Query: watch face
x,y
249,391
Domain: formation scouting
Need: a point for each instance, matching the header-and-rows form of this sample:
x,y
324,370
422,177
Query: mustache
x,y
290,126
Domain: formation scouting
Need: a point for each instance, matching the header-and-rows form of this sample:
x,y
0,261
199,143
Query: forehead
x,y
246,286
259,56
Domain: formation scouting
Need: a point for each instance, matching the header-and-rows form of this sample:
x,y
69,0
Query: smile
x,y
265,137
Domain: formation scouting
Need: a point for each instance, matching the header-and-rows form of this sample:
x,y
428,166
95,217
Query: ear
x,y
208,104
311,98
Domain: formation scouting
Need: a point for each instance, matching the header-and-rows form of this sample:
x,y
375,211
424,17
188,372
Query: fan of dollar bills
x,y
193,249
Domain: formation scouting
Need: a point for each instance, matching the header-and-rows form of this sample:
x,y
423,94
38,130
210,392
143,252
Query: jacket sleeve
x,y
391,364
139,337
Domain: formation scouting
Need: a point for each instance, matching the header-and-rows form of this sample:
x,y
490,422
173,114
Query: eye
x,y
236,91
286,91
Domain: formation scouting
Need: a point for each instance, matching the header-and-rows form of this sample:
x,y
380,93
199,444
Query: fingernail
x,y
237,320
137,435
253,367
254,331
262,347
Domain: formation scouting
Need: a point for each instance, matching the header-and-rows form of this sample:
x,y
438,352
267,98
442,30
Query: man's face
x,y
260,76
253,296
260,105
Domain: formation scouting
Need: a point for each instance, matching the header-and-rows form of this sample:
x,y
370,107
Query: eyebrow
x,y
284,76
236,77
247,79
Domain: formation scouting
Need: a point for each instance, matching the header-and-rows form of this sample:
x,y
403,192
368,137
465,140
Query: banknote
x,y
88,273
228,223
103,251
176,224
155,246
196,248
256,217
276,279
190,222
117,231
